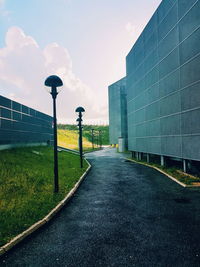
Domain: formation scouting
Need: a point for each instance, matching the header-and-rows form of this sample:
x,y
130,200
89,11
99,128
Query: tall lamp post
x,y
79,120
53,82
100,140
92,139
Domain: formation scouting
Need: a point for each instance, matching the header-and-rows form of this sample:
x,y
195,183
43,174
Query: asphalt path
x,y
124,214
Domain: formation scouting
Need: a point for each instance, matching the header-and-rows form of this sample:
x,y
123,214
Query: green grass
x,y
26,186
87,130
174,172
68,136
69,139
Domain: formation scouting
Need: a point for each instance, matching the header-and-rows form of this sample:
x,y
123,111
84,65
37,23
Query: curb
x,y
46,219
69,150
166,174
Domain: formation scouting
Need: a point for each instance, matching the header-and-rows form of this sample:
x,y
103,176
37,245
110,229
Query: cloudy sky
x,y
85,42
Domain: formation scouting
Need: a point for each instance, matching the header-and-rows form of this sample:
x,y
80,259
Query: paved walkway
x,y
124,214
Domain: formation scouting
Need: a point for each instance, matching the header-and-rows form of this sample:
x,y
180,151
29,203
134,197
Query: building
x,y
21,125
163,84
117,111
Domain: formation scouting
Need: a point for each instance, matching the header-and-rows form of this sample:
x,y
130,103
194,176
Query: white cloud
x,y
130,28
24,66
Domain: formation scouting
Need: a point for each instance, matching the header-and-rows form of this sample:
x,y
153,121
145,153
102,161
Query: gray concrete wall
x,y
20,124
117,111
163,83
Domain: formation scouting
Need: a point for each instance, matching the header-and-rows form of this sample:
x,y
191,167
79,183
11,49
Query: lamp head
x,y
80,109
53,81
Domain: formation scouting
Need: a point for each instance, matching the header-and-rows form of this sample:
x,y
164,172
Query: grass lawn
x,y
26,186
68,136
69,139
185,178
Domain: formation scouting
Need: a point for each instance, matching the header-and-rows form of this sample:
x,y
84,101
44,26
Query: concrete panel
x,y
171,146
140,115
190,72
170,104
184,6
151,61
170,83
132,144
153,128
150,28
139,73
16,116
191,147
190,97
190,21
152,94
25,109
190,47
168,43
139,87
153,111
141,144
5,102
153,145
6,124
169,64
152,77
6,113
168,22
16,106
140,100
164,9
190,122
151,42
170,125
141,130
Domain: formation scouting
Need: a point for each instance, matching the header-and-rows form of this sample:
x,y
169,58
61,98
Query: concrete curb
x,y
46,219
166,174
69,150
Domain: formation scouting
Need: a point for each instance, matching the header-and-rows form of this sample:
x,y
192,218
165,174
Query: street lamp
x,y
79,120
53,82
100,140
92,138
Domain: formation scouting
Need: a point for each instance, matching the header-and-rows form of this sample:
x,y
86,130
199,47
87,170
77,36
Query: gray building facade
x,y
117,111
163,83
21,125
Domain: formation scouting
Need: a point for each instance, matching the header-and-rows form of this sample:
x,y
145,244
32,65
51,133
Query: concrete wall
x,y
20,124
163,83
117,111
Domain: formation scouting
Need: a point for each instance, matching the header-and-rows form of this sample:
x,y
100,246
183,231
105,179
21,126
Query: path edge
x,y
16,240
163,172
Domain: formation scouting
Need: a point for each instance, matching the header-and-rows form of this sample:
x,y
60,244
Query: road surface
x,y
124,214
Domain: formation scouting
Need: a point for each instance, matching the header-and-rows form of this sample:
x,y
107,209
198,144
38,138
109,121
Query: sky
x,y
84,42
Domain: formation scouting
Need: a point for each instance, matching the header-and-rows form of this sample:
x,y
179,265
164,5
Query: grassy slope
x,y
26,186
68,135
69,139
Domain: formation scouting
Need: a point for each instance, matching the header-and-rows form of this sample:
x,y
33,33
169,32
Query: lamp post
x,y
53,82
92,138
79,120
100,140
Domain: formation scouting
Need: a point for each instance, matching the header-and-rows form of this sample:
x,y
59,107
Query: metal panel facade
x,y
163,83
21,124
117,111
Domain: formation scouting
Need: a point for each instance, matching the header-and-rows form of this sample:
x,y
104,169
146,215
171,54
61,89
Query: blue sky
x,y
84,41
